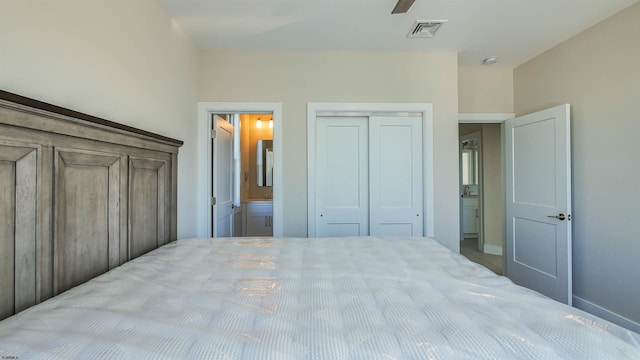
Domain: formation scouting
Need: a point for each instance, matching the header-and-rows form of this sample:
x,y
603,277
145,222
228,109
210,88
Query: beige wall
x,y
485,89
124,61
598,73
492,185
295,78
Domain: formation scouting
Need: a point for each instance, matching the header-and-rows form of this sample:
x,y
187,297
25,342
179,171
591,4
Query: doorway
x,y
242,174
535,185
207,209
470,160
225,183
481,198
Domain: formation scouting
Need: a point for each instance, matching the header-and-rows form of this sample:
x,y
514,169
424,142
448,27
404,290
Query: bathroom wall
x,y
250,134
245,151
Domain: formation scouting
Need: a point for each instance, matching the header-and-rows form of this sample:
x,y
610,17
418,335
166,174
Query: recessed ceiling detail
x,y
425,28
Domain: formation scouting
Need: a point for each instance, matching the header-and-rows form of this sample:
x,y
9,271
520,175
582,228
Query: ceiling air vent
x,y
425,28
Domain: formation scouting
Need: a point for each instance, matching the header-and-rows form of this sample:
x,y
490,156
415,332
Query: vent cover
x,y
425,28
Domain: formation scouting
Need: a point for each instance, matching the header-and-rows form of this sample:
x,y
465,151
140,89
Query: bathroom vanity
x,y
470,216
257,217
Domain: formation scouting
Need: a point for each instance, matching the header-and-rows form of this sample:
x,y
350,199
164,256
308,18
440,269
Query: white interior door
x,y
395,176
538,179
223,178
342,185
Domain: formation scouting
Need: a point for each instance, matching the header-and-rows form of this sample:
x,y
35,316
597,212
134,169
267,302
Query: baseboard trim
x,y
596,310
493,249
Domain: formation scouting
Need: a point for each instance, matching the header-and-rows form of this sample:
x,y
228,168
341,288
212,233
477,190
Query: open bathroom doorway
x,y
471,188
481,194
228,169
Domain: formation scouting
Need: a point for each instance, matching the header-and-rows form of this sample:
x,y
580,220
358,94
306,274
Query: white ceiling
x,y
514,30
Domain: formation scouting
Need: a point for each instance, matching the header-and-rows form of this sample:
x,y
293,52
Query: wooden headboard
x,y
79,195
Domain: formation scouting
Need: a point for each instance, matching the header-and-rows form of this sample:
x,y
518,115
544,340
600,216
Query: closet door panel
x,y
396,186
342,173
87,215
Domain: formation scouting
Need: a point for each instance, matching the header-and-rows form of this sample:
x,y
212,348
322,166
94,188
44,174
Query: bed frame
x,y
79,195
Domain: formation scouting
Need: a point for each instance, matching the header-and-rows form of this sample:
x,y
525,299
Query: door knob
x,y
559,216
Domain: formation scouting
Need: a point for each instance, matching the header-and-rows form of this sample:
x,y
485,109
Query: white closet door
x,y
342,189
395,176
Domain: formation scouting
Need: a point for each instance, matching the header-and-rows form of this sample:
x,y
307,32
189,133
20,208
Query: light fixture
x,y
259,123
490,60
271,124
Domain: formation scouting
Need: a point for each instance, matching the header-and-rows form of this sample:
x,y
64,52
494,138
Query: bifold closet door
x,y
395,176
342,176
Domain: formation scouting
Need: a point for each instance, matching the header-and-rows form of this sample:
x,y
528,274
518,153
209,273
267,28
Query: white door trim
x,y
484,118
493,118
205,109
347,109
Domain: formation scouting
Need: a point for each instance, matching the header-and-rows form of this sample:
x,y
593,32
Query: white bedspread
x,y
290,298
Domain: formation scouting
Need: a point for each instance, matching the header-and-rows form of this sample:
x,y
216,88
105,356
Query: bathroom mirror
x,y
469,162
264,162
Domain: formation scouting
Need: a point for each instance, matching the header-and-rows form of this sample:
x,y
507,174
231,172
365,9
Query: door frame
x,y
204,161
358,109
493,118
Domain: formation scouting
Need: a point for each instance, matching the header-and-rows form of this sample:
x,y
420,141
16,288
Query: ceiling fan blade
x,y
402,6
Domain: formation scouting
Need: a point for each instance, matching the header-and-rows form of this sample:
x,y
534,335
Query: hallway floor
x,y
469,248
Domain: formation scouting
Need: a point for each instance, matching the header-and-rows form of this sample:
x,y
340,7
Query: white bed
x,y
292,298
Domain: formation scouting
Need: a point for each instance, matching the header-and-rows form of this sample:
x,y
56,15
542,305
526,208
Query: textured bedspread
x,y
290,298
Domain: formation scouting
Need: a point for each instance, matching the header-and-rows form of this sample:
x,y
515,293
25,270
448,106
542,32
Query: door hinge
x,y
213,200
214,133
